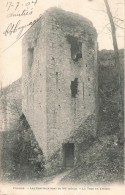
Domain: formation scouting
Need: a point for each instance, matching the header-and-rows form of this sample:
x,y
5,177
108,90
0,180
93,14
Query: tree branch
x,y
119,26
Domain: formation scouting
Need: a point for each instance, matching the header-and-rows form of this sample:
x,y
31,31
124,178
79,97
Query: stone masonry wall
x,y
64,112
34,81
49,69
82,138
11,105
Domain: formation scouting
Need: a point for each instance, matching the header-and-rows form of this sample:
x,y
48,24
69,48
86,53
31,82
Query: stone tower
x,y
59,79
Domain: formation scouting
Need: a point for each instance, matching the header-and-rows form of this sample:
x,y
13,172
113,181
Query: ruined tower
x,y
59,80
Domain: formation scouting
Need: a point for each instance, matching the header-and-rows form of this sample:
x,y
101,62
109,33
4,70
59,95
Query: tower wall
x,y
59,80
34,81
71,56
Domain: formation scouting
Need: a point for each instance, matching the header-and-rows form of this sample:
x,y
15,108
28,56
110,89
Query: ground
x,y
102,163
101,158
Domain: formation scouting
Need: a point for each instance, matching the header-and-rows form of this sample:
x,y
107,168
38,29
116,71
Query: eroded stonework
x,y
59,81
10,105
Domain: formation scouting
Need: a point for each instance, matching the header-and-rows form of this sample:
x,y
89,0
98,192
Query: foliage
x,y
102,163
22,159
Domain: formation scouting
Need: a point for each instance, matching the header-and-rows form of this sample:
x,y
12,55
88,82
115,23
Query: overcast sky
x,y
11,58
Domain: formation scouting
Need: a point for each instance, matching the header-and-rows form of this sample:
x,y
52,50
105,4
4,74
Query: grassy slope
x,y
102,162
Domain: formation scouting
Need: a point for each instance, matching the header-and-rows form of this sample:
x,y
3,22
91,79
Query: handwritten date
x,y
18,4
20,8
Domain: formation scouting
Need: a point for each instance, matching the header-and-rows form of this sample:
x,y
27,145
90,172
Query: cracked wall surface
x,y
64,49
58,93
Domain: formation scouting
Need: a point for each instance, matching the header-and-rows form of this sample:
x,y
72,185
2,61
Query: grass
x,y
102,163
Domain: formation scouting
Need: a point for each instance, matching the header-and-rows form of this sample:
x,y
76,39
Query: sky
x,y
11,46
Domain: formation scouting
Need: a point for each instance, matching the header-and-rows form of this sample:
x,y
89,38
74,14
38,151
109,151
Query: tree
x,y
115,45
117,64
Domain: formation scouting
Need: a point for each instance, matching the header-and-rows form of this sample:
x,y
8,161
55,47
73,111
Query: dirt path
x,y
56,179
